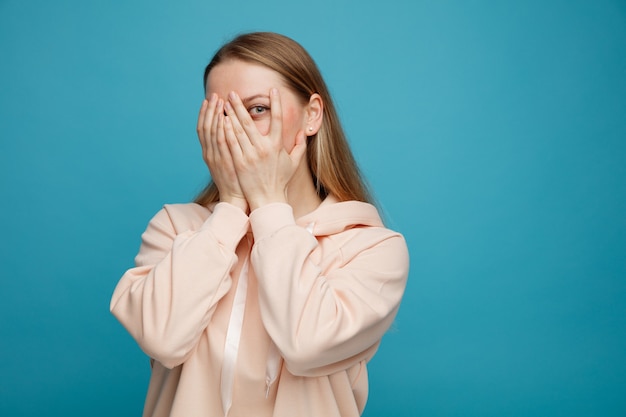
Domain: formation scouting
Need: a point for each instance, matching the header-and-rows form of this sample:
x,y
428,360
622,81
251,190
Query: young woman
x,y
269,294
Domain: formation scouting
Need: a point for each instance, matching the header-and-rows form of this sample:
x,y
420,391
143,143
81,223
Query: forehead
x,y
242,77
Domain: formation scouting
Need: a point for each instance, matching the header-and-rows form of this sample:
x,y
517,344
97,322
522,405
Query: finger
x,y
206,114
245,140
204,120
218,137
214,130
299,149
201,133
219,109
201,116
223,146
221,143
234,145
276,110
242,122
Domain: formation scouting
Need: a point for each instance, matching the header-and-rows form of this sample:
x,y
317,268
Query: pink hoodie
x,y
263,315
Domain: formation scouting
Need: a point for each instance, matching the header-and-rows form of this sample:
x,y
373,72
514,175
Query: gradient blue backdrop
x,y
494,133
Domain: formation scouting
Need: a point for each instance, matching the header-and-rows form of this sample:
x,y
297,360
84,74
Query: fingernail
x,y
229,108
213,98
232,95
274,91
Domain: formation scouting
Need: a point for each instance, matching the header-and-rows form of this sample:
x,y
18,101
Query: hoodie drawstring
x,y
233,338
272,368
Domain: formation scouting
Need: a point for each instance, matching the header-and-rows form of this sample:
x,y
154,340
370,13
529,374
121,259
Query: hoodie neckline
x,y
333,216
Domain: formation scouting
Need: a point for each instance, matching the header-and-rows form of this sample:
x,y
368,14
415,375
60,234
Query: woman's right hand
x,y
216,153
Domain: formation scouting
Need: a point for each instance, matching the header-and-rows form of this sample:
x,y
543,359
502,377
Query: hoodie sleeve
x,y
323,323
167,300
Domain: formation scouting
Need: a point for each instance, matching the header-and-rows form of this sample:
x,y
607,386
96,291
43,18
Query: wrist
x,y
238,202
261,201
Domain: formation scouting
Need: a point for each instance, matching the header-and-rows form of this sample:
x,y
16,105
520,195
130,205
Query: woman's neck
x,y
301,193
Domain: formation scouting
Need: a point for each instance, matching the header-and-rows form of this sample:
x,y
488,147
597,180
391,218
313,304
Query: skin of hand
x,y
262,165
216,153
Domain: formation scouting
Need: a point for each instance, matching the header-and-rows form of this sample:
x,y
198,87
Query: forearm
x,y
318,317
167,303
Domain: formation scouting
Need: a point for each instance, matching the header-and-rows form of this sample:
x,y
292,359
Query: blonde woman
x,y
269,294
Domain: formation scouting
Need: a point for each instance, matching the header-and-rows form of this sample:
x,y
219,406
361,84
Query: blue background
x,y
494,134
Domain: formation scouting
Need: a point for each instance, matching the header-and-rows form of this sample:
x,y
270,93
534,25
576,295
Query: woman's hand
x,y
263,166
216,153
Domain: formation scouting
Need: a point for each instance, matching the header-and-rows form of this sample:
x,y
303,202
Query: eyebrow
x,y
254,97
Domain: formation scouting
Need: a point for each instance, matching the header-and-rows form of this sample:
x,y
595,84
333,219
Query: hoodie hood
x,y
333,216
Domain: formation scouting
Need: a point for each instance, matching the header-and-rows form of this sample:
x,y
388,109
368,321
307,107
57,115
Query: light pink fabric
x,y
317,304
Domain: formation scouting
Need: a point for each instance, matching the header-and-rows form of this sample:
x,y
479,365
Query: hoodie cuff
x,y
268,219
227,223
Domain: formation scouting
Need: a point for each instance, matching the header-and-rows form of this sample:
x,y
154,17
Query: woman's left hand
x,y
263,166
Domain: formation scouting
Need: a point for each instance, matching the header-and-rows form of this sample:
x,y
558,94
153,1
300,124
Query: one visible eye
x,y
257,110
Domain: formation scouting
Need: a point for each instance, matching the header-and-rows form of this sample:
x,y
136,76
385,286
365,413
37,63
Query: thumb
x,y
299,148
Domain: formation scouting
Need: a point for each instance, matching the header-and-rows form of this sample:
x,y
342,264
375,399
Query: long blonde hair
x,y
330,160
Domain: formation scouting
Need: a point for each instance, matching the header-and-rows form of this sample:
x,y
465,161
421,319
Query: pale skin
x,y
253,130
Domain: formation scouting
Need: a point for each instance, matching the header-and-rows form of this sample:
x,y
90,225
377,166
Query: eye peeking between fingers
x,y
258,111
